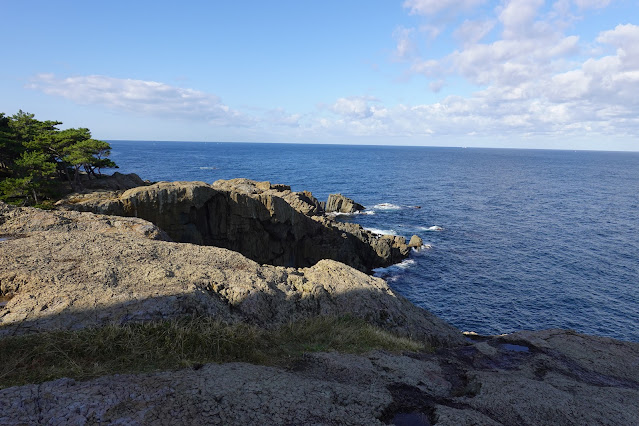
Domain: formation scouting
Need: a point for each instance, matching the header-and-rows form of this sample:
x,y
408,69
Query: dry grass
x,y
187,342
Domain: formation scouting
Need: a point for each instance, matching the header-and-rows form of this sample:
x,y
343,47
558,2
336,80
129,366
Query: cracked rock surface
x,y
265,222
72,270
490,381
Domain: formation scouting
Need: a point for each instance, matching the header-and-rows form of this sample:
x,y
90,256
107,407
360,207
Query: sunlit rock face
x,y
267,223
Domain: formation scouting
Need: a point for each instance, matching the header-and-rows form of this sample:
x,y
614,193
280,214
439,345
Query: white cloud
x,y
437,85
433,7
354,107
471,32
280,117
518,18
592,4
529,89
405,45
144,97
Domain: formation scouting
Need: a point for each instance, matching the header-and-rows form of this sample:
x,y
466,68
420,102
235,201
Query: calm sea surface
x,y
520,239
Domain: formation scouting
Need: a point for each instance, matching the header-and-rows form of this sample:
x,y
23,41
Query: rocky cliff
x,y
339,204
267,223
71,269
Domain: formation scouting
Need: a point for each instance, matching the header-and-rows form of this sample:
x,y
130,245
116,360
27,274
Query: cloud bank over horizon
x,y
472,69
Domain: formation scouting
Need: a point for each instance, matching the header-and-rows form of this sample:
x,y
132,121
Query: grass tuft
x,y
180,343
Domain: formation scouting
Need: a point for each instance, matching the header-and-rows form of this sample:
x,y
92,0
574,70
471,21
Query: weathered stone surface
x,y
341,204
483,383
415,241
267,223
72,269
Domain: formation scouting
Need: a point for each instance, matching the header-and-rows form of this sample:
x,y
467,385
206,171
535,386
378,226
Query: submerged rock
x,y
267,223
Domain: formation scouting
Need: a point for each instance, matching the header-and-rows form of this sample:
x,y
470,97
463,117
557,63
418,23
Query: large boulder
x,y
265,222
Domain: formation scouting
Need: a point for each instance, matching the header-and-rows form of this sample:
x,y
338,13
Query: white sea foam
x,y
381,231
386,206
208,168
419,250
391,273
334,214
434,228
404,264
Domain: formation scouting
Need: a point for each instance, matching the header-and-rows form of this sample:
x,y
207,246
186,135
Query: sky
x,y
560,74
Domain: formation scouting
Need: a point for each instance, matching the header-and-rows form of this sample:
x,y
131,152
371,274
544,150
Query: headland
x,y
257,254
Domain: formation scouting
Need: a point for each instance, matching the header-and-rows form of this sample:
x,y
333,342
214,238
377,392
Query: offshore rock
x,y
267,223
340,204
70,270
415,242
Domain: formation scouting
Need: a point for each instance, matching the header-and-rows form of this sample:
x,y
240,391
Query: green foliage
x,y
10,146
35,156
187,342
13,190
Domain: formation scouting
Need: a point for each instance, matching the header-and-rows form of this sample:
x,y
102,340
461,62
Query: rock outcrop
x,y
71,269
339,204
552,377
116,182
267,223
415,242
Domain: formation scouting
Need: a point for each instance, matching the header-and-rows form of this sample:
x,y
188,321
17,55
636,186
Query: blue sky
x,y
518,73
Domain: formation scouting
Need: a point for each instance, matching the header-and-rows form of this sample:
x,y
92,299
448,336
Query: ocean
x,y
518,239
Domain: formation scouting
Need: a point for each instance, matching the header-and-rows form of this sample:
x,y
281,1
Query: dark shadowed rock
x,y
115,182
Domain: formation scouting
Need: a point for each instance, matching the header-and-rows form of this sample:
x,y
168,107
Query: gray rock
x,y
72,269
265,222
456,386
117,181
341,204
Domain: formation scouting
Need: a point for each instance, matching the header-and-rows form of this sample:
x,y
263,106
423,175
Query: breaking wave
x,y
392,273
381,231
434,228
386,206
363,212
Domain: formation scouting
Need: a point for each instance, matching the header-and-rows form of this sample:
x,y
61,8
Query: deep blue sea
x,y
519,239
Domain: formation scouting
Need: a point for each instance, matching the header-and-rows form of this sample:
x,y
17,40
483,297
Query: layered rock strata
x,y
70,269
337,203
267,223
